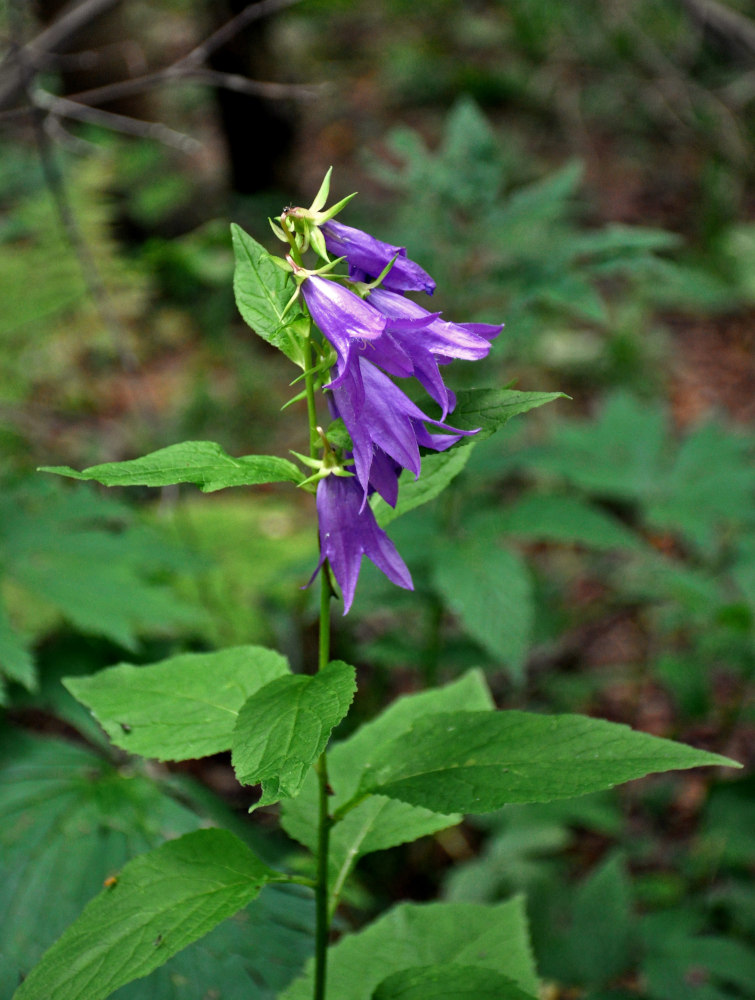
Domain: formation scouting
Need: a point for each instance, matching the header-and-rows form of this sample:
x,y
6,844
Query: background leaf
x,y
69,819
490,589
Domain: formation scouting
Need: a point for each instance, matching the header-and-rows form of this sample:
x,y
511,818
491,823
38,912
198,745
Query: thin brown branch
x,y
253,12
74,17
733,31
64,107
179,71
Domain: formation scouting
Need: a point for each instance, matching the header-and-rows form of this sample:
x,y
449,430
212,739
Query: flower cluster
x,y
378,334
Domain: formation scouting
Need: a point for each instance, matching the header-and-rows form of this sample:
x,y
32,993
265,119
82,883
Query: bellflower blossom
x,y
345,320
388,424
367,257
348,530
376,338
426,340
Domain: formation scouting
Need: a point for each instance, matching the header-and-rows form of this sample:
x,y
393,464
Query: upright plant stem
x,y
322,925
322,918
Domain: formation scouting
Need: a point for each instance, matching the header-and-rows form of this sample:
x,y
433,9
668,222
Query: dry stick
x,y
64,107
734,30
188,67
73,18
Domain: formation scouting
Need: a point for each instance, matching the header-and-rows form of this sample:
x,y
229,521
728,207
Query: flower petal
x,y
371,256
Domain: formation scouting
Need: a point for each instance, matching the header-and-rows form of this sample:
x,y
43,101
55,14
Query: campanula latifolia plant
x,y
337,303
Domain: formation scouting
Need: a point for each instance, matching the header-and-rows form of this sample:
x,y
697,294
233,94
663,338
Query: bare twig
x,y
74,17
224,34
734,31
179,71
80,106
63,107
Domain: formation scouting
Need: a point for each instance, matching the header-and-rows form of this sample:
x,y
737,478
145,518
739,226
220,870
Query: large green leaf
x,y
181,708
478,761
86,558
486,937
203,463
449,982
490,589
283,728
378,822
262,292
69,819
490,409
566,519
162,902
437,472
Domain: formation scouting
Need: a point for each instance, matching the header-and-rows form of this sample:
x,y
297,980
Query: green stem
x,y
322,915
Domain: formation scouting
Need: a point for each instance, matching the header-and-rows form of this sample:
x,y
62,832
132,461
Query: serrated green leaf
x,y
437,472
69,819
181,708
262,293
486,937
478,761
378,822
490,589
283,728
203,463
490,409
161,902
449,981
566,519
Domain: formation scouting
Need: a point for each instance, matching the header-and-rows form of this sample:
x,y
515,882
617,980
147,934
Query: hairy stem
x,y
322,925
322,914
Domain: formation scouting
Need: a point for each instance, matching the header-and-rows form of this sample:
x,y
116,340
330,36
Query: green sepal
x,y
322,195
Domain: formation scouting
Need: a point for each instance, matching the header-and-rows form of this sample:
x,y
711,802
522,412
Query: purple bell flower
x,y
425,340
348,531
367,257
345,320
380,418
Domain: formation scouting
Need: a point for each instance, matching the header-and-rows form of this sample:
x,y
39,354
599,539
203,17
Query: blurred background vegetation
x,y
582,171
